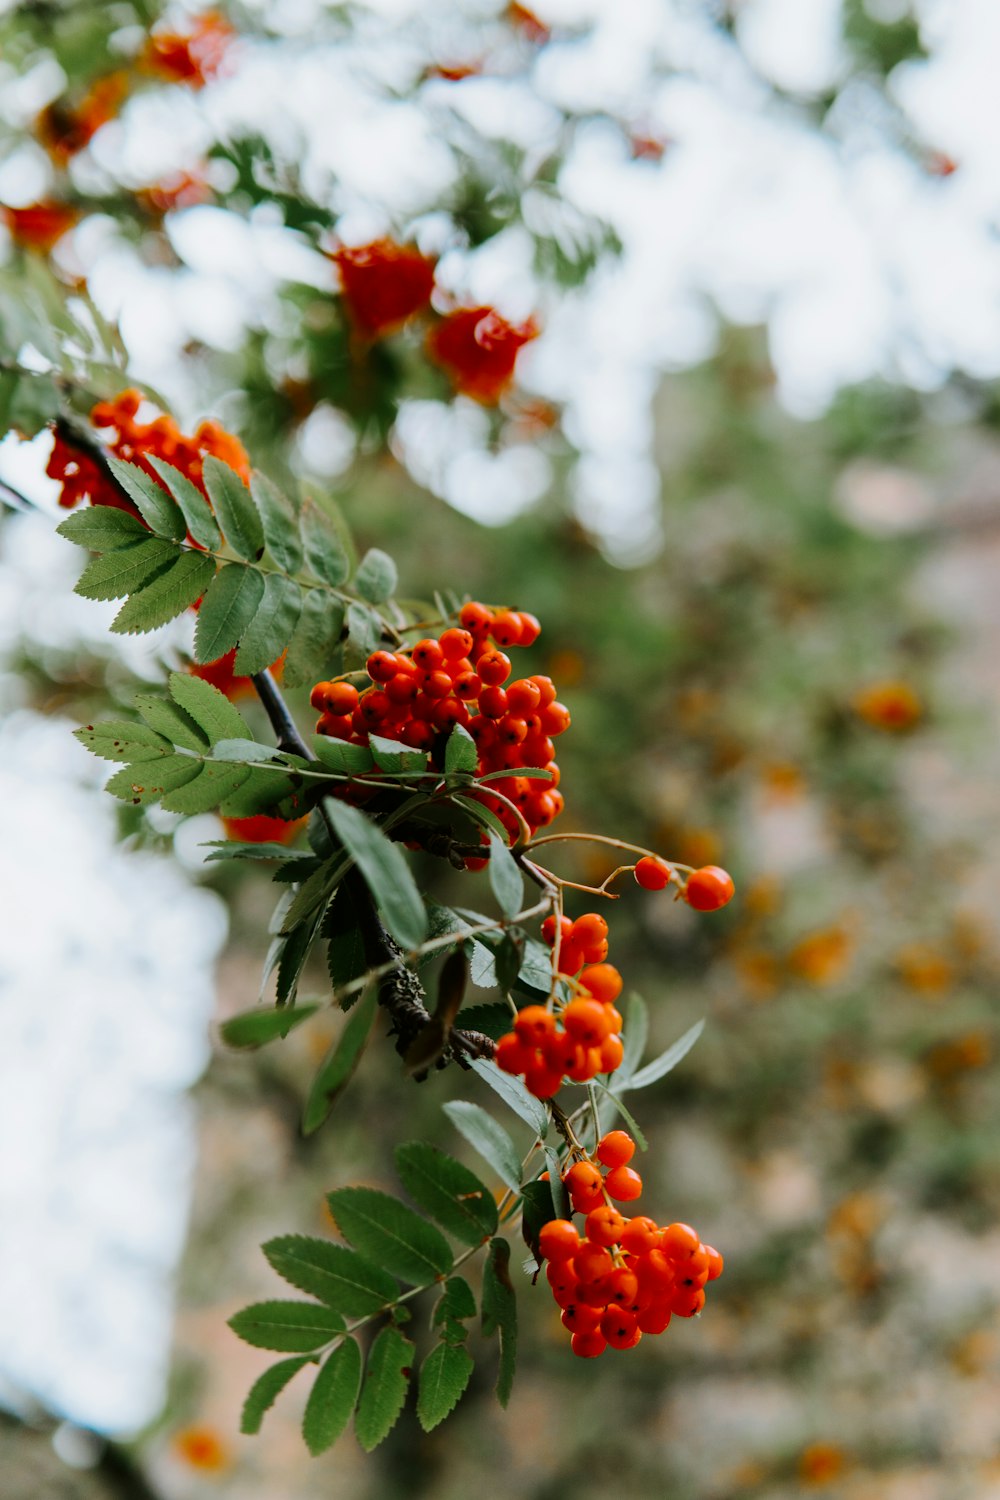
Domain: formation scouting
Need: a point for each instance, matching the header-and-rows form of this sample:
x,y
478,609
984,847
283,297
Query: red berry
x,y
523,696
623,1184
579,1318
317,698
602,981
620,1329
715,1263
467,685
592,1261
709,888
493,703
549,928
640,1235
455,644
616,1148
558,1240
534,1024
436,684
513,1055
570,957
586,1021
582,1177
590,929
547,688
530,628
555,719
624,1286
604,1225
402,688
588,1345
506,628
493,667
612,1052
542,1080
687,1304
427,655
653,873
381,665
475,617
679,1241
655,1319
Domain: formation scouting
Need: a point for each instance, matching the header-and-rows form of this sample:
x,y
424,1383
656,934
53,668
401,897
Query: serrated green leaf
x,y
341,1278
119,740
391,1234
315,638
325,556
273,626
234,509
384,870
161,514
338,755
514,1094
667,1060
231,601
206,791
263,791
492,1020
287,1327
249,750
390,755
102,528
456,1303
500,1314
292,957
116,574
345,953
223,849
387,1377
460,753
337,1067
376,577
311,894
168,595
253,1028
444,1375
506,880
364,632
149,782
333,1397
172,722
210,709
194,507
448,1191
265,1391
488,1137
281,525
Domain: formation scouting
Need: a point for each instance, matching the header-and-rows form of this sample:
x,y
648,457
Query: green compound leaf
x,y
116,739
514,1094
147,783
337,1067
168,595
391,1234
253,1028
390,755
265,1391
194,507
376,577
384,870
333,1397
634,1038
116,574
667,1060
273,626
281,525
102,528
448,1191
171,721
444,1375
456,1303
341,1278
338,755
345,952
500,1314
325,555
231,601
492,1020
506,880
206,791
387,1377
364,632
210,709
488,1137
161,513
315,639
234,509
460,753
287,1327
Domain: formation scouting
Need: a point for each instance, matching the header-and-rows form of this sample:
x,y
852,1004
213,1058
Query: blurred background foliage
x,y
797,685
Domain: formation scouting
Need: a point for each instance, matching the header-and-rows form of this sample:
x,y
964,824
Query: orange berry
x,y
603,981
623,1184
512,1055
579,1318
558,1240
588,1345
616,1149
493,667
582,1177
687,1304
604,1225
547,688
570,957
534,1024
655,1318
550,925
592,1261
381,665
709,888
653,873
620,1329
612,1052
530,628
542,1080
427,655
715,1263
640,1235
506,628
523,696
679,1241
475,617
655,1272
586,1021
455,644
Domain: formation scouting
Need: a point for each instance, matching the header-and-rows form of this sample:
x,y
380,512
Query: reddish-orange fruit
x,y
550,926
534,1024
582,1177
687,1304
506,628
260,828
590,931
679,1241
384,284
604,1225
612,1052
653,873
530,629
523,696
588,1345
475,617
616,1149
579,1318
542,1080
623,1184
602,981
570,957
620,1329
640,1235
715,1262
586,1021
558,1240
709,888
478,348
513,1055
592,1261
655,1318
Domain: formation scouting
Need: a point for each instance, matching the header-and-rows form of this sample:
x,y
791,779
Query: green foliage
x,y
256,1027
387,1377
488,1137
345,1280
265,1391
339,1064
444,1376
450,1193
384,870
333,1397
505,878
289,1327
500,1314
391,1234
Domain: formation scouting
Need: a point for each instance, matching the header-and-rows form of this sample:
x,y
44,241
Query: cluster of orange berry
x,y
419,694
706,889
623,1277
581,1037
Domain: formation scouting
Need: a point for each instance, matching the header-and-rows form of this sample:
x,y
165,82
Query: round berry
x,y
455,644
555,719
493,667
570,957
317,698
653,873
493,703
513,1055
475,617
620,1329
427,655
558,1240
582,1177
687,1304
624,1286
640,1235
381,665
602,981
530,628
542,1080
506,628
612,1053
709,888
550,925
468,686
579,1318
588,1345
615,1149
534,1024
604,1225
623,1184
524,695
655,1318
590,931
679,1241
586,1021
592,1261
715,1263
